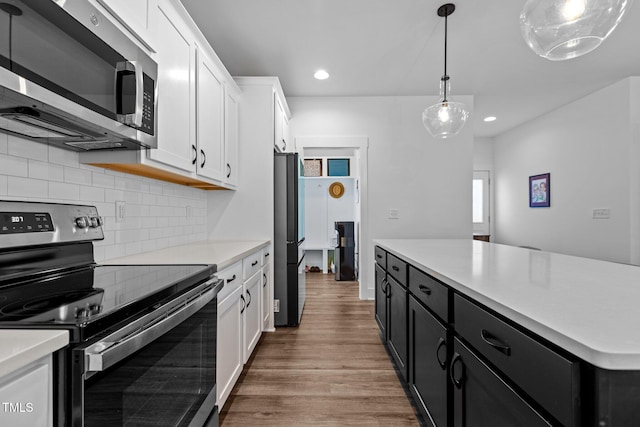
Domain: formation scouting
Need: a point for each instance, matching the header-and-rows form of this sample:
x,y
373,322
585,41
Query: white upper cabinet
x,y
197,111
281,123
231,135
211,115
176,89
134,16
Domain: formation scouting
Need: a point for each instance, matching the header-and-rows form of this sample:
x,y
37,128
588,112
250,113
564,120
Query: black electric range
x,y
120,318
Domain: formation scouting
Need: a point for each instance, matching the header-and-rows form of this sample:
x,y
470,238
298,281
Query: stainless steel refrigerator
x,y
289,267
344,252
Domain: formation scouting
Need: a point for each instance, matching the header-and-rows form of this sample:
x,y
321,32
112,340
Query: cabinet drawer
x,y
251,264
397,268
381,257
430,292
232,277
548,377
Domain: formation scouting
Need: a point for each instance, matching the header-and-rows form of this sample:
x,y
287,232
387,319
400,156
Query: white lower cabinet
x,y
229,353
239,321
25,396
252,313
267,290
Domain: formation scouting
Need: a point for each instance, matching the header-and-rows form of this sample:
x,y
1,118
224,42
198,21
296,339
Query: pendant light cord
x,y
445,77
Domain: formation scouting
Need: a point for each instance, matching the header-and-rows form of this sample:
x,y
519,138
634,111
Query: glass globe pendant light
x,y
445,118
565,29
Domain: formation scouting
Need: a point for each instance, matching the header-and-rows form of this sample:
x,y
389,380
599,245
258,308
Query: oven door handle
x,y
104,354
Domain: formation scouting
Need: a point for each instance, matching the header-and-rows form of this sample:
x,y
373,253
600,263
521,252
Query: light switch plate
x,y
394,214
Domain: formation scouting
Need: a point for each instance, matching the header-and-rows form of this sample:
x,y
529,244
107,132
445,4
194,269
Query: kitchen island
x,y
561,333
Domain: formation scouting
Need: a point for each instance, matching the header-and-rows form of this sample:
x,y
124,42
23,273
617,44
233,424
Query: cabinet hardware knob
x,y
243,304
204,158
253,264
284,145
395,268
228,170
195,154
248,294
424,289
266,255
383,285
495,342
456,382
232,279
264,282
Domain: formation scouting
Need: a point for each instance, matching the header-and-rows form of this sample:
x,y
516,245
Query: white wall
x,y
427,180
156,211
590,147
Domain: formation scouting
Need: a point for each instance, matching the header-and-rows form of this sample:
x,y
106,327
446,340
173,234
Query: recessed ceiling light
x,y
321,75
490,119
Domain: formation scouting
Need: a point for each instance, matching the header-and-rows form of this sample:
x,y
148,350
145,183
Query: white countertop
x,y
222,253
19,347
590,308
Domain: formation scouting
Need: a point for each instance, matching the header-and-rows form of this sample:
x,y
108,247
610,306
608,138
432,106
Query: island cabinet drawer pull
x,y
495,342
442,343
266,255
253,264
379,256
424,289
452,371
395,268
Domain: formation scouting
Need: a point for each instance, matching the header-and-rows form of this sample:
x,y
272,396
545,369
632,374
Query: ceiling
x,y
396,47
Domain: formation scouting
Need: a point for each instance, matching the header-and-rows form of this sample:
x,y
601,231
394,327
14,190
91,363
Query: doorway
x,y
481,198
355,196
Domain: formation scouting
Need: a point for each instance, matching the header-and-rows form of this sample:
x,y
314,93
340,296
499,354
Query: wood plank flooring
x,y
330,371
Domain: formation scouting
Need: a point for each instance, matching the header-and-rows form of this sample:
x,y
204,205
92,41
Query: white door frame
x,y
361,144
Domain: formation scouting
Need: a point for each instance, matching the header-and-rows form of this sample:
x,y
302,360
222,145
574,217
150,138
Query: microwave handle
x,y
103,355
134,119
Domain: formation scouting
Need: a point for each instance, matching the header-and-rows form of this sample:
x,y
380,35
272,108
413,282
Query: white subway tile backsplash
x,y
155,211
91,194
63,157
45,170
103,180
21,147
27,188
64,191
15,166
77,176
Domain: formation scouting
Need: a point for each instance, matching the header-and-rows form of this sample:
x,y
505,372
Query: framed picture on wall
x,y
540,191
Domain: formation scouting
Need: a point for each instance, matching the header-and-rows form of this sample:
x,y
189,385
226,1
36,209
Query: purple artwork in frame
x,y
540,191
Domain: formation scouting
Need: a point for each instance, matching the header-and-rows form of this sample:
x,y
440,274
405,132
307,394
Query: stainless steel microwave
x,y
70,77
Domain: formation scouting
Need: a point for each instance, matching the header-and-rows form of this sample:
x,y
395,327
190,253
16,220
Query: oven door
x,y
158,371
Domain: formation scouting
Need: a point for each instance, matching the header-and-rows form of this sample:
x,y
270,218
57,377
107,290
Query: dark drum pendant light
x,y
445,118
565,29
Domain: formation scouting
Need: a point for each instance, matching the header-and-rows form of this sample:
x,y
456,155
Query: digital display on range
x,y
25,222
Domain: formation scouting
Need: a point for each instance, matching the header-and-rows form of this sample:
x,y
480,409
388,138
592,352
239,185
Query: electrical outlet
x,y
121,210
394,214
276,306
603,213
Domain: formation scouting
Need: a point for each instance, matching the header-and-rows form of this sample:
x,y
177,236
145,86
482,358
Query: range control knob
x,y
95,221
82,222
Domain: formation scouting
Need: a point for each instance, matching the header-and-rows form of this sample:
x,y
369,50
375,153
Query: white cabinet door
x,y
26,395
252,316
176,88
229,355
288,144
134,16
210,107
266,295
231,137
